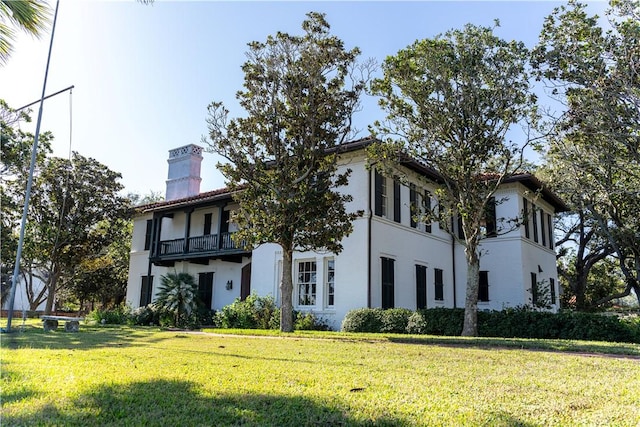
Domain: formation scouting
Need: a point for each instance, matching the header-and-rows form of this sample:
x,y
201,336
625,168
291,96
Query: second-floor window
x,y
387,190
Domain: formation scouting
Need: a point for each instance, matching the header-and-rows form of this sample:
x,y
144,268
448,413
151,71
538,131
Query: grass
x,y
152,377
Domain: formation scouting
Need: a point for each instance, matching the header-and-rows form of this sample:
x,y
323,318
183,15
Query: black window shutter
x,y
146,290
147,235
490,218
396,201
387,283
205,288
421,287
378,196
413,204
207,224
439,286
427,207
525,219
483,289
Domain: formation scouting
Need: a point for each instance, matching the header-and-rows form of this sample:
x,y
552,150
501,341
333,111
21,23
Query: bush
x,y
119,315
148,315
526,323
416,324
395,320
522,322
363,320
309,322
254,312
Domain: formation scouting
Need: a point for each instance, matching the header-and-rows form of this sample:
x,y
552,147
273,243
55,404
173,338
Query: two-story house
x,y
389,260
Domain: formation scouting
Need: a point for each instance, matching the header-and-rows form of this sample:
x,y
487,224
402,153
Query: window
x,y
306,283
483,288
205,288
388,285
421,286
489,220
534,289
147,235
438,285
381,194
146,290
207,224
525,218
552,289
330,281
543,233
396,201
534,219
550,228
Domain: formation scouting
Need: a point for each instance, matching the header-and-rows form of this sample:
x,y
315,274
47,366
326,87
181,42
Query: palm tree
x,y
31,16
178,295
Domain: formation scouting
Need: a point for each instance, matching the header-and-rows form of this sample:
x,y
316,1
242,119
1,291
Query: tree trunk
x,y
470,327
286,291
51,285
51,295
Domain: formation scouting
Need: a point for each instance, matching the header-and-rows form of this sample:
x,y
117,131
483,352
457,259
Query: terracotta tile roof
x,y
224,194
202,198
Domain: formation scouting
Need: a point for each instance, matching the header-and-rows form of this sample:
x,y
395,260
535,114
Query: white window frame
x,y
312,283
329,280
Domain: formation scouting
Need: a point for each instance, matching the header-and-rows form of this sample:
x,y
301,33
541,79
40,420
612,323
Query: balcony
x,y
198,249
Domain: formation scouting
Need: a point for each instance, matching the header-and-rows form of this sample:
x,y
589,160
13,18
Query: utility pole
x,y
34,150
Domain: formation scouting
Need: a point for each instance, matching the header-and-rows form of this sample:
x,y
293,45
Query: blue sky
x,y
144,75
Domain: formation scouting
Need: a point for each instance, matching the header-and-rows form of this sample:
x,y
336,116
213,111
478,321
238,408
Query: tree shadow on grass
x,y
89,337
19,390
488,343
173,403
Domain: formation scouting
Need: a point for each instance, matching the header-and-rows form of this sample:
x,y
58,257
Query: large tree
x,y
450,102
299,97
70,199
595,150
16,147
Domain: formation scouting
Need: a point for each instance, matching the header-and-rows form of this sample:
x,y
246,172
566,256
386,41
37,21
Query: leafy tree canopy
x,y
450,103
300,93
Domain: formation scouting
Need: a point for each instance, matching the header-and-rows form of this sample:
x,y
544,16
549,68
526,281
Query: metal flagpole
x,y
34,150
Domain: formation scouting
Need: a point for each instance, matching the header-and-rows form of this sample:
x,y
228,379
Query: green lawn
x,y
145,376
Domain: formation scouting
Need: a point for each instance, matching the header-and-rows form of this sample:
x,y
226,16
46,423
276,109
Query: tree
x,y
450,102
14,164
178,295
596,142
299,101
31,16
70,198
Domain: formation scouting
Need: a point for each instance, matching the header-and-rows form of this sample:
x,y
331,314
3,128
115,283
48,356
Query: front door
x,y
245,282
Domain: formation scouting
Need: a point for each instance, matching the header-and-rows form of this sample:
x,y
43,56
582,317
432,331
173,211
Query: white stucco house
x,y
388,261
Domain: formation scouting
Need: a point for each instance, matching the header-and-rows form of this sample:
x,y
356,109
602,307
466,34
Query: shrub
x,y
395,320
363,320
145,316
177,296
416,324
118,315
309,322
254,312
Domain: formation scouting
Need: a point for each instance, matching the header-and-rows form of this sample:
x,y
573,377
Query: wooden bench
x,y
72,324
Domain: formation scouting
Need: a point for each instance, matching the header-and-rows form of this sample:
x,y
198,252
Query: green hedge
x,y
508,323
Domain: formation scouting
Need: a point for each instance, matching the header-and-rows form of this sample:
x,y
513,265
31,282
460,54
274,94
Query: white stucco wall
x,y
508,258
